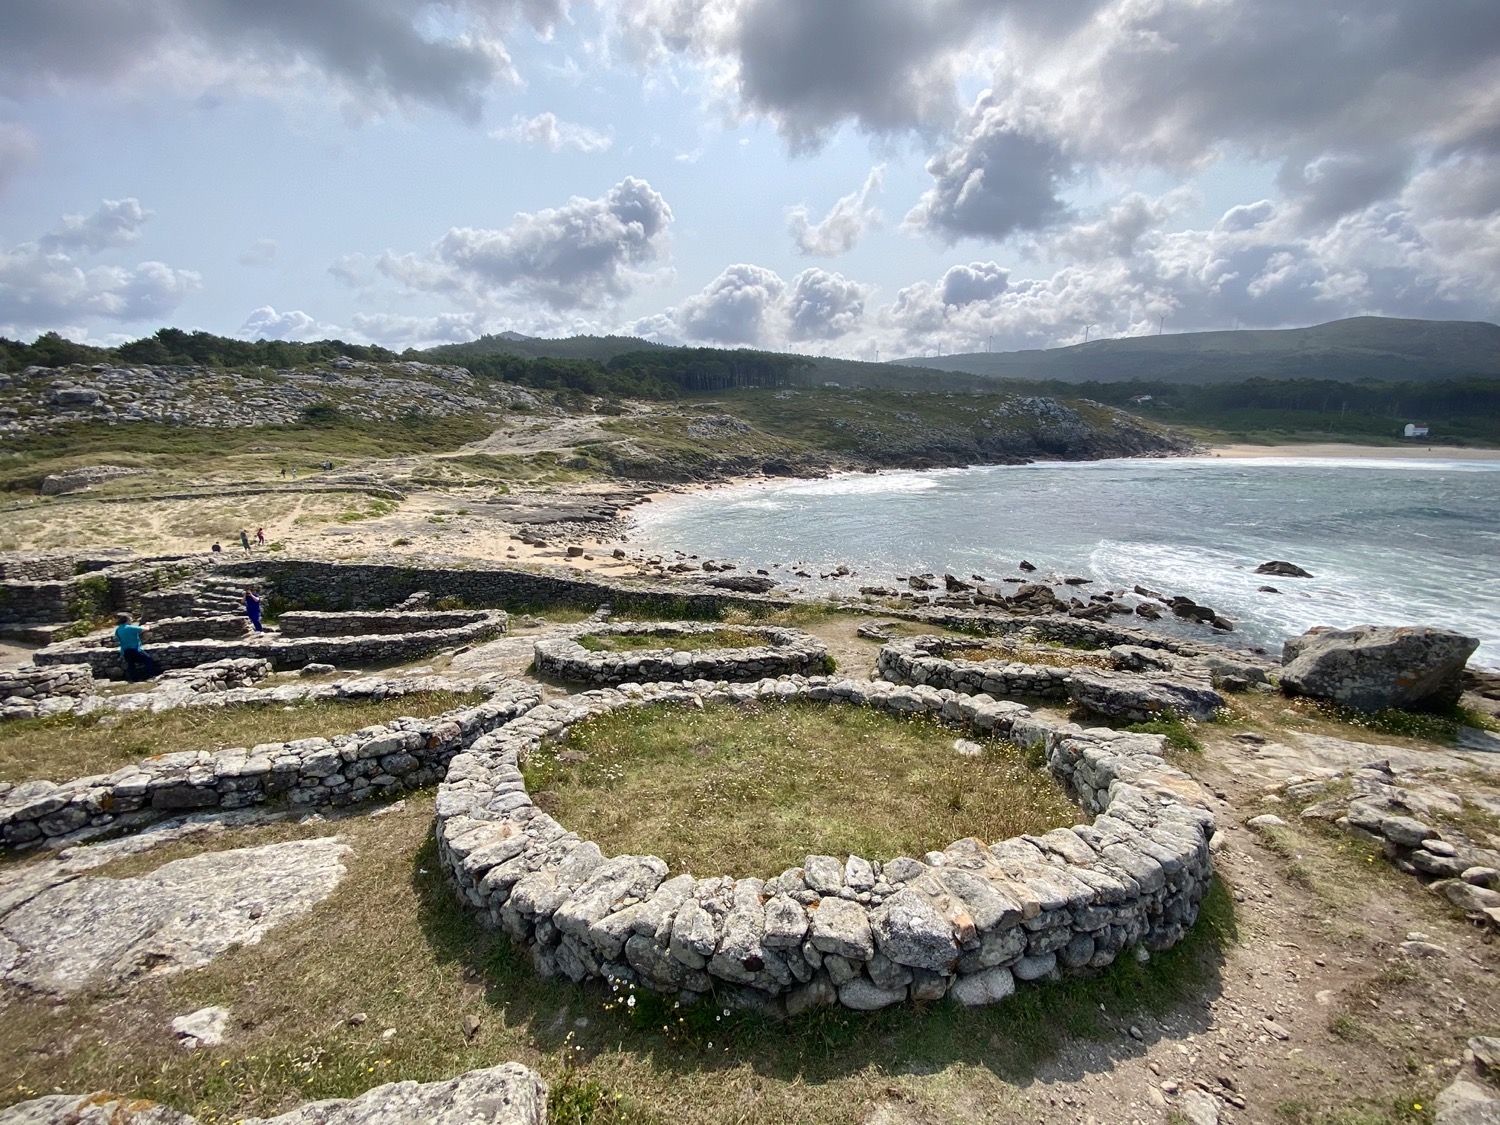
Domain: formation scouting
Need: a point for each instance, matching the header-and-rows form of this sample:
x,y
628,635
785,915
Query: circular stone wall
x,y
968,921
388,758
784,652
939,661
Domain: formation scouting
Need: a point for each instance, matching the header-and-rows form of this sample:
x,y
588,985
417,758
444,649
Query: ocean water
x,y
1388,542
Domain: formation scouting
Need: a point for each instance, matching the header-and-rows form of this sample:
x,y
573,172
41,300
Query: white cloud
x,y
585,254
399,331
751,305
380,54
43,284
737,307
265,323
546,131
845,224
824,306
117,222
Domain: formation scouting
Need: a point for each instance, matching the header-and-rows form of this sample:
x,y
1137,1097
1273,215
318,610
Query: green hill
x,y
600,348
1364,347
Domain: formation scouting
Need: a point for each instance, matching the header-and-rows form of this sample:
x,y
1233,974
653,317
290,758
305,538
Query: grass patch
x,y
675,642
754,789
1179,733
68,746
392,943
1441,725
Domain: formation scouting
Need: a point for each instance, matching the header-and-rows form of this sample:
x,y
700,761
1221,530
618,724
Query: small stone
x,y
1264,821
357,1018
1405,831
1199,1108
1275,1029
203,1028
1486,877
1422,949
1136,1034
471,1026
967,748
388,1034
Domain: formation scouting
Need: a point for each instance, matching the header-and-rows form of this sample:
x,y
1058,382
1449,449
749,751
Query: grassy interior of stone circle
x,y
67,746
676,642
754,789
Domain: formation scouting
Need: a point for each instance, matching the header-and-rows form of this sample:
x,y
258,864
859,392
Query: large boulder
x,y
508,1094
1140,698
1370,667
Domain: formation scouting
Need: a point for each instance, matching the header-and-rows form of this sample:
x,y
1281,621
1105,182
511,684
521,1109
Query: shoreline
x,y
1332,451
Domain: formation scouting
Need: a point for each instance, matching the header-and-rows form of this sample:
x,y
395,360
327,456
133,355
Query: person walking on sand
x,y
260,537
244,539
252,608
138,666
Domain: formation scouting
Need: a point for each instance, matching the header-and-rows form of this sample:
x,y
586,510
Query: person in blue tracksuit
x,y
138,666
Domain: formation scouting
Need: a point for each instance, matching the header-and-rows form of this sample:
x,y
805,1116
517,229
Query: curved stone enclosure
x,y
927,660
785,652
1121,694
387,637
967,921
376,761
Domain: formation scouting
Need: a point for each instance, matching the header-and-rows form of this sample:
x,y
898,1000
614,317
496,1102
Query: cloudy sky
x,y
850,177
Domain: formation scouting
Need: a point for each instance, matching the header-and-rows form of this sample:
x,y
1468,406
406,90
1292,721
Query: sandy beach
x,y
1334,449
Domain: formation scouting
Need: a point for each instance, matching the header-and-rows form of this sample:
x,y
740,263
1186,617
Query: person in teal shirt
x,y
138,666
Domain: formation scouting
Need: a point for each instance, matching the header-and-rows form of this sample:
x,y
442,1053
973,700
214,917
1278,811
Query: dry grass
x,y
673,642
392,944
714,792
67,747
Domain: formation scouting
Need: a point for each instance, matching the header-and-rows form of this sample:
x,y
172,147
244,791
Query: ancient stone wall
x,y
283,652
784,652
376,761
223,627
361,586
32,683
26,601
939,662
302,623
968,921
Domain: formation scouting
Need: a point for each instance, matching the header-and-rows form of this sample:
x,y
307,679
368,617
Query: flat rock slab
x,y
94,930
1303,755
509,1094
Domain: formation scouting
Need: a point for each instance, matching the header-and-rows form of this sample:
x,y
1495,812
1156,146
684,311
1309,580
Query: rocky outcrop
x,y
85,932
508,1094
74,480
1282,569
1371,667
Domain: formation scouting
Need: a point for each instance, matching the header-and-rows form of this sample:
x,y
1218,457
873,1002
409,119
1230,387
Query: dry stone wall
x,y
1127,693
968,921
291,652
355,586
376,761
310,624
785,652
923,660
